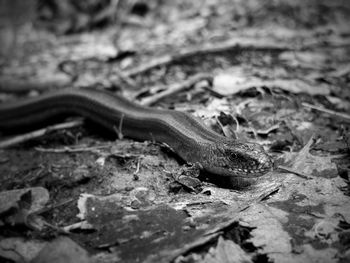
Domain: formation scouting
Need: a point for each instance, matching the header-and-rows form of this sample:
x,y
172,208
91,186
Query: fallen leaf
x,y
86,199
16,206
268,234
39,197
62,250
228,84
19,249
307,163
226,251
12,202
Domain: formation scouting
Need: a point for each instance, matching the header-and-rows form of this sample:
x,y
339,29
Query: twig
x,y
129,81
343,71
221,125
291,170
157,62
108,12
83,225
46,209
343,43
137,167
38,133
72,150
212,48
175,88
229,133
118,129
338,114
268,193
237,122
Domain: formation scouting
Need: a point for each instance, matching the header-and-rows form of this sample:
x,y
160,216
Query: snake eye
x,y
237,157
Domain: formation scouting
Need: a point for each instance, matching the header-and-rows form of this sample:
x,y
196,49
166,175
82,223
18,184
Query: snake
x,y
185,134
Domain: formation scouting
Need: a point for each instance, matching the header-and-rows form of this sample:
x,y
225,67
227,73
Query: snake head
x,y
234,158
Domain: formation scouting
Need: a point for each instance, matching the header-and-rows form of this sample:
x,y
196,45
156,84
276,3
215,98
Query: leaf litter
x,y
256,92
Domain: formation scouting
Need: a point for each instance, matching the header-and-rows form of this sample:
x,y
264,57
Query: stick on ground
x,y
206,49
38,133
175,88
331,112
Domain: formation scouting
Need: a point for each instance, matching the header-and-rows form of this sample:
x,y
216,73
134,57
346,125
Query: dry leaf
x,y
19,249
62,250
16,206
306,163
268,235
226,251
229,84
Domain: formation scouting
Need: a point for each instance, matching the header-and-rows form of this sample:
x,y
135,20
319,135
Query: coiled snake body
x,y
188,137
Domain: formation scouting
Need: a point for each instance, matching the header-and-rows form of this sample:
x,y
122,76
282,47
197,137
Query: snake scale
x,y
185,135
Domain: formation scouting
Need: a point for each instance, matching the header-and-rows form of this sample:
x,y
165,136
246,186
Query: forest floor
x,y
272,72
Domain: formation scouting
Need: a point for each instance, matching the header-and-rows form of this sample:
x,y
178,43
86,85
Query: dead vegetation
x,y
272,72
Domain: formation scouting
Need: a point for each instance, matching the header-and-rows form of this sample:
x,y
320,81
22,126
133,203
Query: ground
x,y
271,72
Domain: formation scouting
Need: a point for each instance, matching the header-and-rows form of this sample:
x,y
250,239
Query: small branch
x,y
331,112
175,88
129,81
227,131
118,129
152,64
46,209
207,49
72,149
38,133
291,170
137,167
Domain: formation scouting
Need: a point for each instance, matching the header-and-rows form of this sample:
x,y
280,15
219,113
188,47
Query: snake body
x,y
185,135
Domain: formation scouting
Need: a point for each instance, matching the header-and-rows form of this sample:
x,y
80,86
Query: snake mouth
x,y
244,172
255,171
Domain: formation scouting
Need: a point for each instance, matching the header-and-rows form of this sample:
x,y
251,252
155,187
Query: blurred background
x,y
19,18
